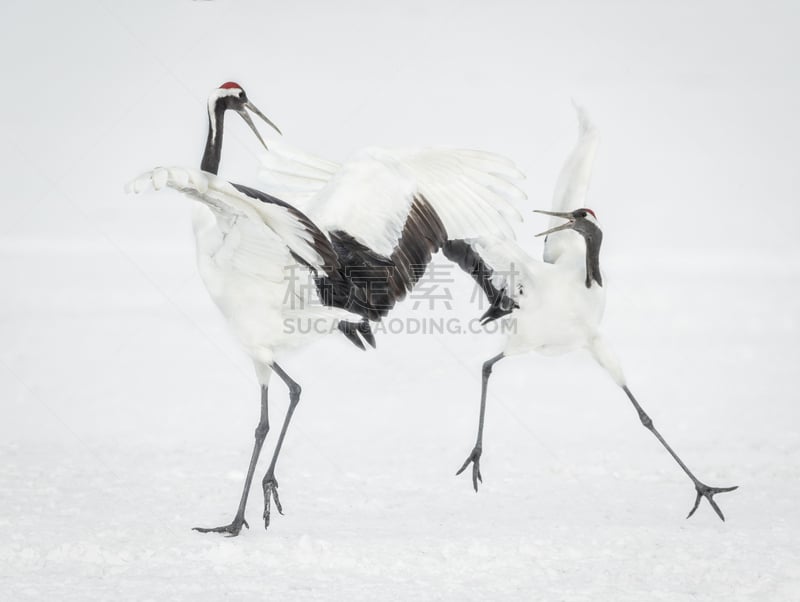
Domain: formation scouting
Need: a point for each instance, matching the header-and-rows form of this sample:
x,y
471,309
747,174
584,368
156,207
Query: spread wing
x,y
268,227
371,195
571,189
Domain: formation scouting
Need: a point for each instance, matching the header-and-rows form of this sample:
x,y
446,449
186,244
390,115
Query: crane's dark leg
x,y
703,490
262,429
475,456
270,483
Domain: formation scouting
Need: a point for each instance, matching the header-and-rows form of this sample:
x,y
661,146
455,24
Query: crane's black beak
x,y
246,116
567,226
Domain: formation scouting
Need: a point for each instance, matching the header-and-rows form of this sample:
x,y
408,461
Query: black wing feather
x,y
370,284
461,253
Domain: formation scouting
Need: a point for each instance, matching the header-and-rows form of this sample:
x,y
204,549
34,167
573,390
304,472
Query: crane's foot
x,y
474,458
704,491
270,485
231,530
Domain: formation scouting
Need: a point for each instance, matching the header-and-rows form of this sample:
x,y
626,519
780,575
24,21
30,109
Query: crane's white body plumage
x,y
244,256
557,312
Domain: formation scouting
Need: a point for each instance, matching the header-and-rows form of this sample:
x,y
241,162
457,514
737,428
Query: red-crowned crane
x,y
557,304
363,240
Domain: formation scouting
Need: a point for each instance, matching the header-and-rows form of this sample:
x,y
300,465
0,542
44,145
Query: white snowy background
x,y
127,411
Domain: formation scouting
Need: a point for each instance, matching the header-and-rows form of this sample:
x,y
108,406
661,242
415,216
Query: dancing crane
x,y
363,241
557,303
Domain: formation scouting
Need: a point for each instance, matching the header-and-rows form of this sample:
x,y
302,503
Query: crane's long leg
x,y
475,456
262,429
270,483
703,490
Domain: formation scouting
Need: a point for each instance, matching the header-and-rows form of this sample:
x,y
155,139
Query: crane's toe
x,y
704,491
474,458
270,492
231,530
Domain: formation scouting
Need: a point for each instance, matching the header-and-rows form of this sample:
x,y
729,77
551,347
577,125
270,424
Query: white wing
x,y
572,187
370,195
234,243
294,175
271,220
257,257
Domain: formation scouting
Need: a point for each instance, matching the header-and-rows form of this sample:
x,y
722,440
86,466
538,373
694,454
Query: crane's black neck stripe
x,y
213,151
594,239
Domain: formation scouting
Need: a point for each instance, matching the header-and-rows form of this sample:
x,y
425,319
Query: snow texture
x,y
127,411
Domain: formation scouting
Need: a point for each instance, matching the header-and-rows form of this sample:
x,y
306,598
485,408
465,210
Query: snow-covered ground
x,y
126,411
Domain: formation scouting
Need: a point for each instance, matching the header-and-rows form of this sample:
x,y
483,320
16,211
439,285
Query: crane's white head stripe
x,y
227,89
